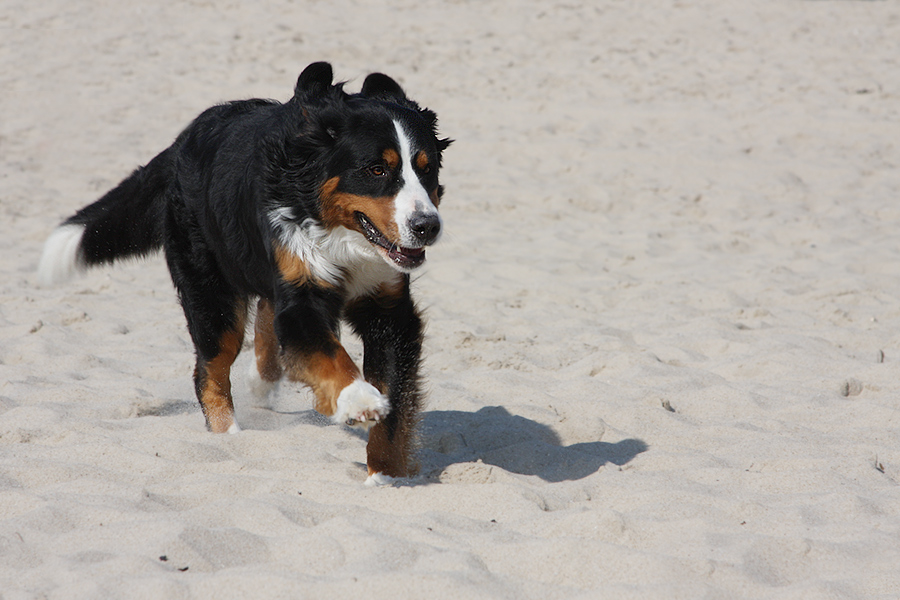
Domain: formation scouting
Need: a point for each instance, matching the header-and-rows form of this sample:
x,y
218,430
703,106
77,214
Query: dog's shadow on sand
x,y
493,436
515,444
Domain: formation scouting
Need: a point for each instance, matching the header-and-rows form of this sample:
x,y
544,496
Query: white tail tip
x,y
62,257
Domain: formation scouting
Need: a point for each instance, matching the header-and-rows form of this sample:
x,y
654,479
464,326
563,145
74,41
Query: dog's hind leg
x,y
391,329
216,316
212,379
266,370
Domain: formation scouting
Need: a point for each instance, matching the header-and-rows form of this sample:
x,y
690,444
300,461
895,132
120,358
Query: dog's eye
x,y
426,169
377,171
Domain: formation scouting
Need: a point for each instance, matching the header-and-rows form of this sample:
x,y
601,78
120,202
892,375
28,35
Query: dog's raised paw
x,y
360,404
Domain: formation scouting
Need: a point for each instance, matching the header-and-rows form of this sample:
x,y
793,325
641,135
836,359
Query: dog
x,y
318,209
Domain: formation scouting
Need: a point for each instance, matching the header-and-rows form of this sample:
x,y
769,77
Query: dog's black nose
x,y
425,227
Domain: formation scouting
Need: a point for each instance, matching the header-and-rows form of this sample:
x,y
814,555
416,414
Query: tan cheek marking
x,y
435,198
329,187
379,210
338,209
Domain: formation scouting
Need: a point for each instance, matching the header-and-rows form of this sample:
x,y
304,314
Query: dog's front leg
x,y
391,330
306,323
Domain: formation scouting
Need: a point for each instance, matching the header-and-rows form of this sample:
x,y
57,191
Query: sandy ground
x,y
664,324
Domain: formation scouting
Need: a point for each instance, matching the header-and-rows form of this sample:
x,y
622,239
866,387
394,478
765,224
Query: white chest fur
x,y
340,257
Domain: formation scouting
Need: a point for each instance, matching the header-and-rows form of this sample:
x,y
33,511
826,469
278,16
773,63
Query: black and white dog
x,y
317,209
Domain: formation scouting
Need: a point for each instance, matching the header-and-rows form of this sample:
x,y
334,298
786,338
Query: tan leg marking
x,y
394,458
390,457
326,375
215,394
265,343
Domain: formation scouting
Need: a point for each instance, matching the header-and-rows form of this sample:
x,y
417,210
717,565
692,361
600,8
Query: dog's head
x,y
378,157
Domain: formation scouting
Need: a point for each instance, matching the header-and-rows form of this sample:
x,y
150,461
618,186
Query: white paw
x,y
259,387
234,428
361,405
379,480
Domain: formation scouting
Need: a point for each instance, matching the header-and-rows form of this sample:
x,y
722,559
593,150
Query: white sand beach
x,y
663,344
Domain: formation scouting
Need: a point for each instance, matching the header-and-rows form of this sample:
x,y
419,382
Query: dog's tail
x,y
126,222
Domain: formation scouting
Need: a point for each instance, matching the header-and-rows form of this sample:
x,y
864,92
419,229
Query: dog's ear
x,y
314,81
379,85
430,118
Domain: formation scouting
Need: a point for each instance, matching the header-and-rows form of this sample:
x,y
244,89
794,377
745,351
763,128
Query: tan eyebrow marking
x,y
391,158
421,160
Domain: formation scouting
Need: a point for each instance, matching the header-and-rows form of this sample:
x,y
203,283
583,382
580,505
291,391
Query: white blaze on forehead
x,y
412,197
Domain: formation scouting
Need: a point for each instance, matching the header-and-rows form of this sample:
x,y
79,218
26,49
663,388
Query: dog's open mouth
x,y
406,258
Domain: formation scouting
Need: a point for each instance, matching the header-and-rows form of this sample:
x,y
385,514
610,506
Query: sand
x,y
663,351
